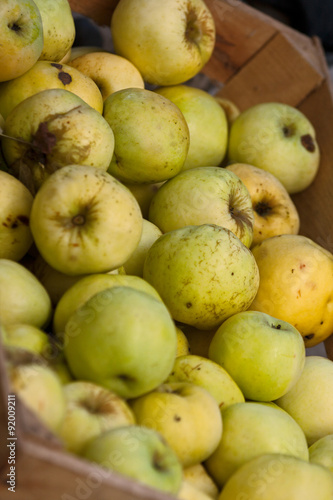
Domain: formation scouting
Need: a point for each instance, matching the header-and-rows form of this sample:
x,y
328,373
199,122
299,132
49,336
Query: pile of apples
x,y
156,297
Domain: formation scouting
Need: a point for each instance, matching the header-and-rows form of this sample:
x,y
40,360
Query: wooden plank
x,y
99,11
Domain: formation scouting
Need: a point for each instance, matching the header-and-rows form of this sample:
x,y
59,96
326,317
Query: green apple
x,y
151,136
138,453
96,351
251,429
204,274
49,75
84,221
90,411
321,452
27,337
187,416
274,210
310,400
296,276
278,138
209,375
206,121
21,37
169,42
204,195
276,476
197,476
16,203
23,299
58,129
264,355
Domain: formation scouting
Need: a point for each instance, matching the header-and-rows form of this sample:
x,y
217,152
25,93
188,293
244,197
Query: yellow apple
x,y
321,452
230,108
198,476
199,340
182,343
143,194
189,491
27,337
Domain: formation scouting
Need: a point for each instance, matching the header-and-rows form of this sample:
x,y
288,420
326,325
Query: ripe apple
x,y
21,37
278,138
198,476
187,416
206,121
182,343
84,221
189,491
16,203
310,400
296,277
274,211
231,109
321,452
27,337
151,136
204,274
143,194
169,42
199,340
264,355
80,50
139,453
204,195
251,429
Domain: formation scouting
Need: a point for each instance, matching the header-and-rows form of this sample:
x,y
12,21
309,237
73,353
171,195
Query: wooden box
x,y
256,59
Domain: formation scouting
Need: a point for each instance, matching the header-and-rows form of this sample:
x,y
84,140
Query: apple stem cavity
x,y
192,32
79,220
262,208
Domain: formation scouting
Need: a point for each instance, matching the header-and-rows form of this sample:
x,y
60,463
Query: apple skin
x,y
206,121
199,340
189,491
143,194
264,355
278,138
27,337
183,347
251,429
321,452
21,37
168,42
277,476
230,108
310,400
197,476
187,416
204,195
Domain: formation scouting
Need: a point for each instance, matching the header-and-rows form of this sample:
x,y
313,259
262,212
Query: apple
x,y
211,376
251,429
264,355
278,138
139,453
21,37
204,274
182,343
84,221
310,400
197,476
274,210
321,452
16,203
90,411
206,121
199,340
143,194
49,75
188,491
169,42
151,136
204,195
96,349
80,50
187,416
23,299
109,71
275,476
27,337
58,129
230,108
296,276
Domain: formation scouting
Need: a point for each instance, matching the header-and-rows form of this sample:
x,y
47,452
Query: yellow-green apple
x,y
204,274
321,452
230,108
90,411
55,359
198,340
274,210
80,50
85,221
276,476
144,193
66,58
139,453
49,75
264,355
278,138
94,341
183,346
169,42
189,491
204,195
187,416
206,121
198,476
58,128
310,400
251,429
16,203
209,375
23,299
58,28
27,337
151,136
296,284
21,37
109,71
